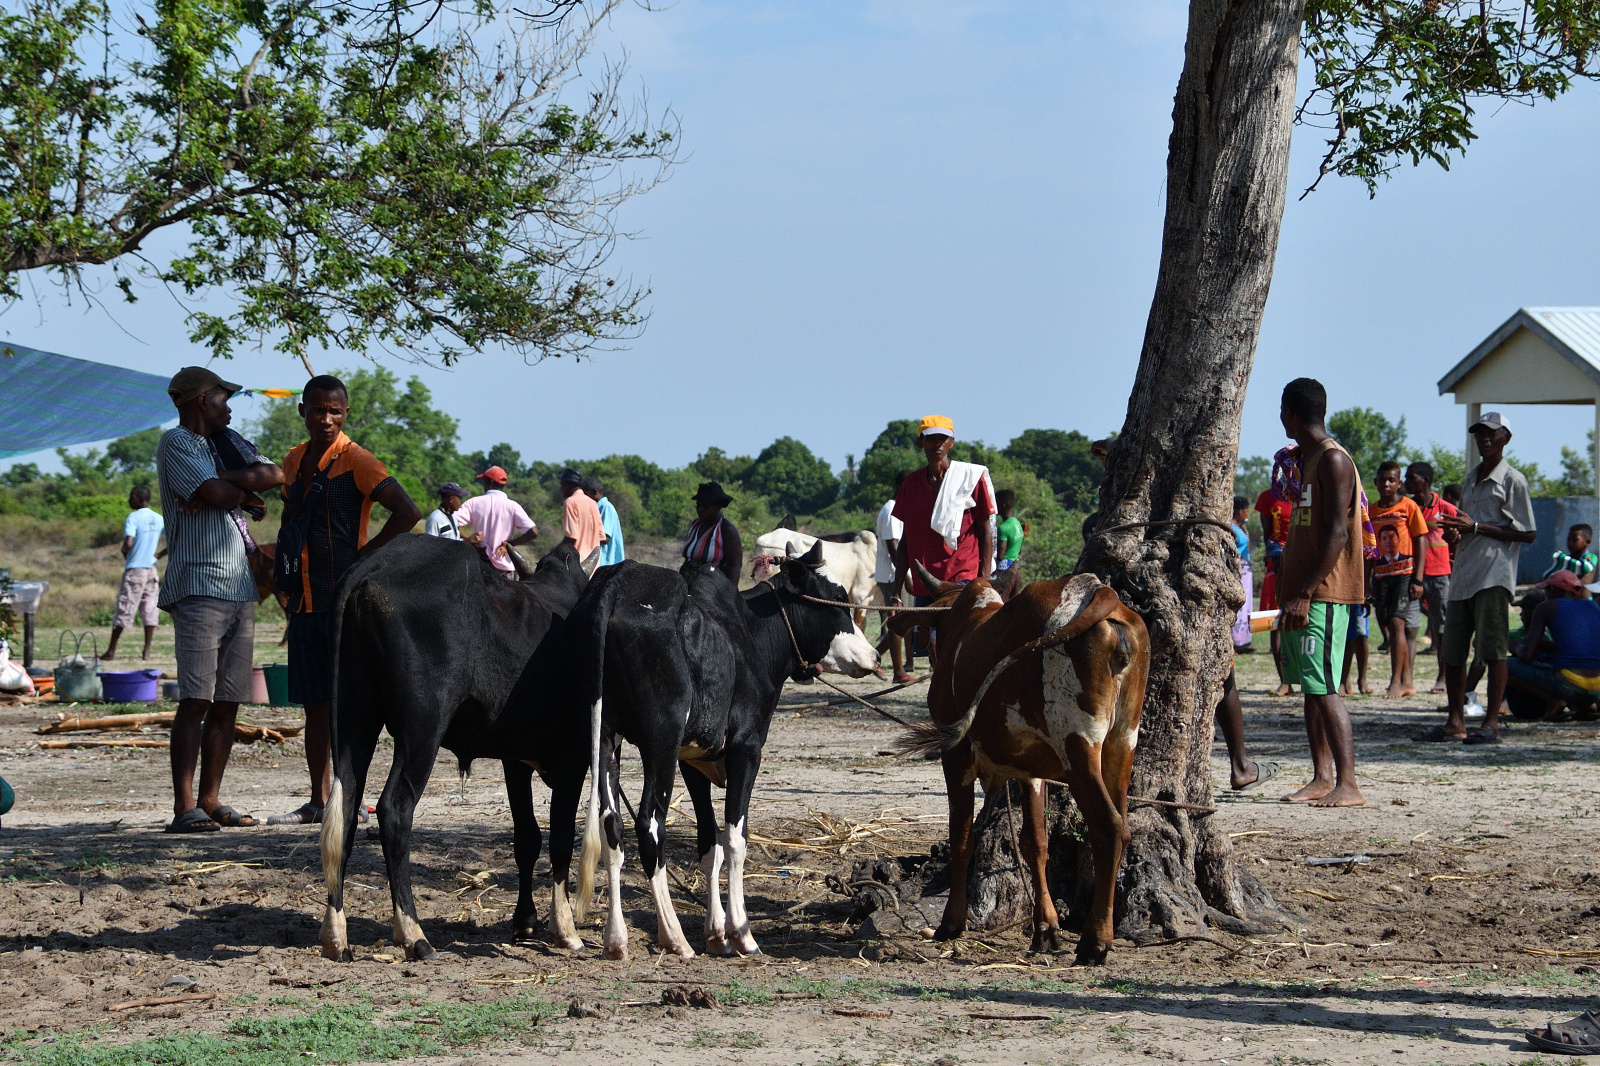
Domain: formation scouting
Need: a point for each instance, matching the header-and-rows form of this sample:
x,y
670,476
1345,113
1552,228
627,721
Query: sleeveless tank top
x,y
1576,629
1313,516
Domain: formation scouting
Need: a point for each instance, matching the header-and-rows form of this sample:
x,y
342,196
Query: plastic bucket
x,y
169,690
277,675
130,686
258,685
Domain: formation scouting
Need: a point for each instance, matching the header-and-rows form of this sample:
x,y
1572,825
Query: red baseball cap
x,y
1565,580
494,474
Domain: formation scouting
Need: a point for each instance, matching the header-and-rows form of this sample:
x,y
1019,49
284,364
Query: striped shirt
x,y
705,543
205,551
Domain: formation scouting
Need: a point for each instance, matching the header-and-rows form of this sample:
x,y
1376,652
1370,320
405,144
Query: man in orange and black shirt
x,y
335,538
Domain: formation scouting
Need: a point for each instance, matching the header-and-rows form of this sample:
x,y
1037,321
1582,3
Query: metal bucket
x,y
77,680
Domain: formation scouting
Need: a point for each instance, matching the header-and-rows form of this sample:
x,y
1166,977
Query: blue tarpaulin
x,y
49,400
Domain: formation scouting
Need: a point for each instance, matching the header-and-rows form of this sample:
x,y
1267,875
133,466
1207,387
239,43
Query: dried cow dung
x,y
682,996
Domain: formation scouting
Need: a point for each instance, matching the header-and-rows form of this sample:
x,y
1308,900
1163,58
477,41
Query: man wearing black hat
x,y
208,589
442,521
580,519
712,539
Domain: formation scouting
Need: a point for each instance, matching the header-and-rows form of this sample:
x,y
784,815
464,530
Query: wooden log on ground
x,y
162,1001
109,722
105,743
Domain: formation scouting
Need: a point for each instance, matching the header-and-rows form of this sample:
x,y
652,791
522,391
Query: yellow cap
x,y
936,425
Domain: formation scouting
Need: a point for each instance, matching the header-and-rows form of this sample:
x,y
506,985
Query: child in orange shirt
x,y
1397,575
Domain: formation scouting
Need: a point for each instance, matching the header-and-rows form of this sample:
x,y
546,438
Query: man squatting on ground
x,y
209,590
1322,575
331,484
1495,521
141,586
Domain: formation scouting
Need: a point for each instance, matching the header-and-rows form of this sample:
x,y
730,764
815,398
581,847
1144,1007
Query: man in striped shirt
x,y
208,589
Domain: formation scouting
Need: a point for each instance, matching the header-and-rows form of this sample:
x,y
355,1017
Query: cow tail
x,y
594,638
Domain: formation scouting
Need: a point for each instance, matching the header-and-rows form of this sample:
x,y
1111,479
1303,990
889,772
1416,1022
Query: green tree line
x,y
1050,470
1371,438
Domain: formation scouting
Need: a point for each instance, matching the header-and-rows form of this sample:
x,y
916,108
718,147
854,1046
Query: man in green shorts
x,y
1321,576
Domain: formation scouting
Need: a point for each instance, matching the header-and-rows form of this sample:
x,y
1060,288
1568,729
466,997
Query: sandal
x,y
1437,735
229,818
1580,1036
1481,736
1264,772
306,815
193,820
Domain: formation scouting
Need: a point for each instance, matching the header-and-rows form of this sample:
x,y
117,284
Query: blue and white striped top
x,y
205,550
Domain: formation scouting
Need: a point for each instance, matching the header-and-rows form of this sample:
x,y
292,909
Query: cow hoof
x,y
949,932
718,945
1046,940
1091,953
334,953
617,952
569,943
525,934
421,951
747,945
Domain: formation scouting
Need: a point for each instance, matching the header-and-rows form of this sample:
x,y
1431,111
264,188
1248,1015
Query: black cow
x,y
690,673
440,648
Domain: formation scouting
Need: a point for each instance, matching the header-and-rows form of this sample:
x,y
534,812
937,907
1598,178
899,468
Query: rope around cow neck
x,y
814,670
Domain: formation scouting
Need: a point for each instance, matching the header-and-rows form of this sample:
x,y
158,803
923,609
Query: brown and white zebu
x,y
1048,686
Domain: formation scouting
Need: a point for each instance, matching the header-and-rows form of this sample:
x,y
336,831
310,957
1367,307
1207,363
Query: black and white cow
x,y
435,645
690,672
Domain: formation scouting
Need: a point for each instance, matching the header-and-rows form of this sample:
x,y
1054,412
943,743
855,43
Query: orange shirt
x,y
1409,528
580,520
339,523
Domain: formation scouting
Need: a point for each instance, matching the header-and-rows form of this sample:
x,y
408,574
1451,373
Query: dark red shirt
x,y
913,505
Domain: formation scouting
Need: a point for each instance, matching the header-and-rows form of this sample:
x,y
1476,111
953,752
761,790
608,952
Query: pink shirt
x,y
499,518
580,520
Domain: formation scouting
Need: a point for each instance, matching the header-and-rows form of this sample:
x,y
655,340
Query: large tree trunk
x,y
1227,171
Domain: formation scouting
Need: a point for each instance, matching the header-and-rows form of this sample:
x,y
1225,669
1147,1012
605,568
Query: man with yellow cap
x,y
947,509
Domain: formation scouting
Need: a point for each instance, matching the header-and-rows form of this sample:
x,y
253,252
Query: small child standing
x,y
1397,585
1577,558
1241,537
1009,532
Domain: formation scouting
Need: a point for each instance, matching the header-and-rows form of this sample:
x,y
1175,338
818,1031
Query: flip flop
x,y
229,818
306,815
1580,1036
1264,772
1436,735
193,820
1481,736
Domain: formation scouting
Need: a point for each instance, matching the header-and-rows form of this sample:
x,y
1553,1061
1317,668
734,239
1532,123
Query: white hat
x,y
1493,420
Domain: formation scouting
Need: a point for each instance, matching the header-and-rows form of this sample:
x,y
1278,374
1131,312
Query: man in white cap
x,y
1495,521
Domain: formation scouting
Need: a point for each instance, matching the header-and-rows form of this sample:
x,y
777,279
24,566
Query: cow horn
x,y
932,584
813,558
524,571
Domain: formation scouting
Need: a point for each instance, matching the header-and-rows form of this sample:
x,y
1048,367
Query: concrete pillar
x,y
1474,412
1594,455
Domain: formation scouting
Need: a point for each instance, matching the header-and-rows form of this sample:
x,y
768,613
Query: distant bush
x,y
96,508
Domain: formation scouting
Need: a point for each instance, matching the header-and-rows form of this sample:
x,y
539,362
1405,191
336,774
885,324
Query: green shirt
x,y
1010,531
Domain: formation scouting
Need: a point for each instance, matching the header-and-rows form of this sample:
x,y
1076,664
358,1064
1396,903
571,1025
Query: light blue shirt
x,y
611,551
145,527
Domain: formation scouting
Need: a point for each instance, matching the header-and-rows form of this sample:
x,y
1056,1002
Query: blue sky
x,y
893,208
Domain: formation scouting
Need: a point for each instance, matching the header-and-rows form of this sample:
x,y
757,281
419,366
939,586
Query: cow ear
x,y
788,523
813,558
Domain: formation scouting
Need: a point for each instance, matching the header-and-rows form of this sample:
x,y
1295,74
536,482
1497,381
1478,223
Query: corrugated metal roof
x,y
1572,331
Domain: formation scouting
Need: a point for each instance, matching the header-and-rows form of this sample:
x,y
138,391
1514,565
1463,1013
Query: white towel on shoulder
x,y
956,496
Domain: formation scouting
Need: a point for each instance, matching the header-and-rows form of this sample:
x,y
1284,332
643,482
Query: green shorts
x,y
1314,656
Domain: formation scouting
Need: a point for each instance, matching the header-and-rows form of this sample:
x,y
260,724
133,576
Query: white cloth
x,y
889,528
443,525
955,497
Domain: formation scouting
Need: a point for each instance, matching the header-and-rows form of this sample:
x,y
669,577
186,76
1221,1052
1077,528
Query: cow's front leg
x,y
958,779
658,776
743,763
1036,852
525,845
1104,826
709,843
564,794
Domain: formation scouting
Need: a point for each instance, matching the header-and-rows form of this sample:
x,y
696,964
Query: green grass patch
x,y
334,1034
745,994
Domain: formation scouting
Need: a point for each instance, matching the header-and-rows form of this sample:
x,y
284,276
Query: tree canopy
x,y
427,178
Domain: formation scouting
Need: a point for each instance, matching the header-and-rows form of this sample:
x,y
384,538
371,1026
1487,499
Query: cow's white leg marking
x,y
334,941
616,925
716,920
669,934
563,934
406,931
738,920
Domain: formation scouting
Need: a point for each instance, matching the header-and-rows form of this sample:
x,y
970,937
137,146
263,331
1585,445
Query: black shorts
x,y
1392,596
311,657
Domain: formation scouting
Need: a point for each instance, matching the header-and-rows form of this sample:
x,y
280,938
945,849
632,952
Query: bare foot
x,y
1407,691
1314,791
1283,690
1366,689
107,655
1437,689
1342,796
1347,689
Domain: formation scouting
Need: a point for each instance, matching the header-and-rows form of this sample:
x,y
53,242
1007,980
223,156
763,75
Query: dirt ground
x,y
1474,916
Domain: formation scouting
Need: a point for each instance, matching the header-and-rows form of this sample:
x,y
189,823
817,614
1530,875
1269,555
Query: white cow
x,y
849,563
